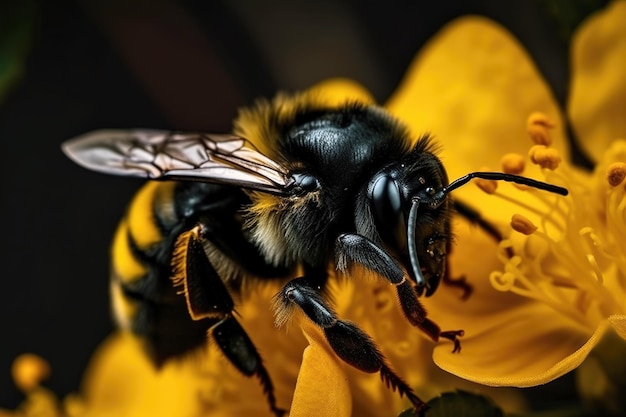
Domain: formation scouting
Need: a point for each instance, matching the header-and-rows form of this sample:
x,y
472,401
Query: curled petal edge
x,y
559,369
618,321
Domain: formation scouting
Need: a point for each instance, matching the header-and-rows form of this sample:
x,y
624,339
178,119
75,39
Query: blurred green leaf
x,y
458,404
572,411
17,20
601,379
568,14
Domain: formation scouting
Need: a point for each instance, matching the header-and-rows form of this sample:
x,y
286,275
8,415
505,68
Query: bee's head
x,y
410,208
407,216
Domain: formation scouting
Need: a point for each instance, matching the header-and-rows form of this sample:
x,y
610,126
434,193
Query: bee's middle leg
x,y
346,339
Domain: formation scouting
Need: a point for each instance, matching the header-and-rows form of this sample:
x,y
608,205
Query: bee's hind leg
x,y
233,341
346,339
208,298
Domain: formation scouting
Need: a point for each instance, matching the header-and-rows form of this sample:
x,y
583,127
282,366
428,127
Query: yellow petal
x,y
521,347
322,388
618,321
509,340
337,90
473,87
121,381
597,104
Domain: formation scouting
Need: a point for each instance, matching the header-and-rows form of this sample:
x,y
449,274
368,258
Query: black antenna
x,y
438,198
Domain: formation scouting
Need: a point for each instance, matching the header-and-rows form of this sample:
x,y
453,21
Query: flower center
x,y
572,256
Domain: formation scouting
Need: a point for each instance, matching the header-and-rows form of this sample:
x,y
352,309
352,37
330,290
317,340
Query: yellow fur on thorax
x,y
259,124
253,123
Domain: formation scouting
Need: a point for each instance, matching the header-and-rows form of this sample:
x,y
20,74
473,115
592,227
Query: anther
x,y
545,157
522,225
512,163
616,173
487,186
538,126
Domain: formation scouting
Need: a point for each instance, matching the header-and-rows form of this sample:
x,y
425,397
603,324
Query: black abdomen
x,y
144,300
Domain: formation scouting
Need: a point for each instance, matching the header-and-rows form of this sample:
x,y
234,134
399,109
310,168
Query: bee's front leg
x,y
354,248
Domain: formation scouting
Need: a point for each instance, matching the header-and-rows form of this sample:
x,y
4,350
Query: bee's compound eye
x,y
304,183
430,191
385,198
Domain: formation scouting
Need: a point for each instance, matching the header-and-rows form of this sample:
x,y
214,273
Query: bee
x,y
299,189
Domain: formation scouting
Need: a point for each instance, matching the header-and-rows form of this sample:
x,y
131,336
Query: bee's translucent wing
x,y
157,154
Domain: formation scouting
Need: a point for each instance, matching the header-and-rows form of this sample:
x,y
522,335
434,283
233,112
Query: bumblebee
x,y
300,189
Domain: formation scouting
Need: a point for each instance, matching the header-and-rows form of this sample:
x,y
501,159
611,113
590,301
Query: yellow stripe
x,y
140,215
125,265
140,224
124,309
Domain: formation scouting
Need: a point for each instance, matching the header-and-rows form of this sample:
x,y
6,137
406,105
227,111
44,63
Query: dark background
x,y
184,65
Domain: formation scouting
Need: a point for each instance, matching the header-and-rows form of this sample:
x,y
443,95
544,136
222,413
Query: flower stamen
x,y
488,186
522,225
512,163
570,256
29,371
538,126
548,158
616,173
530,208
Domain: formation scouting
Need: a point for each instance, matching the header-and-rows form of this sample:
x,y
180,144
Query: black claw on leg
x,y
453,335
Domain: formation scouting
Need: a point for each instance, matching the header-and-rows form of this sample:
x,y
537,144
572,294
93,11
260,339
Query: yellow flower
x,y
473,86
309,378
551,302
